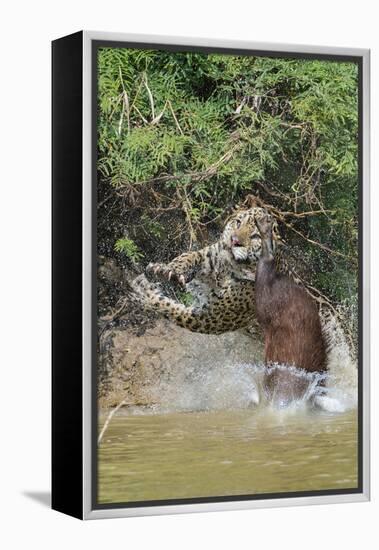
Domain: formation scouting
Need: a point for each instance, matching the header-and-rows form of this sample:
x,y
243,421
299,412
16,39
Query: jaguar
x,y
220,278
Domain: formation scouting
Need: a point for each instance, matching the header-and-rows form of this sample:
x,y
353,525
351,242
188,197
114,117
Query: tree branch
x,y
109,418
281,216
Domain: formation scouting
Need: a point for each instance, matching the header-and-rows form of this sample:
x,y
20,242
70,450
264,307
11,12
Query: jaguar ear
x,y
251,201
230,211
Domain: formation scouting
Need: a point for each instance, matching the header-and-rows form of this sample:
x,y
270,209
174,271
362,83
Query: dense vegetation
x,y
182,137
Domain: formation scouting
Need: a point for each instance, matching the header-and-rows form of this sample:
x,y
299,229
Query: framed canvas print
x,y
210,275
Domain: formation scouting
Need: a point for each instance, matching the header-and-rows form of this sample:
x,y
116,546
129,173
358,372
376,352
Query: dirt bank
x,y
148,367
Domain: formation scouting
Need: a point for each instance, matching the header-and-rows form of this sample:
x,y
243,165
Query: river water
x,y
213,431
257,450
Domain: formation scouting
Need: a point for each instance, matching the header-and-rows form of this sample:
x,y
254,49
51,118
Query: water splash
x,y
221,384
342,379
218,387
241,386
177,370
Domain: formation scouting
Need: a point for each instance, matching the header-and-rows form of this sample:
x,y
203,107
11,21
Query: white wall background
x,y
27,28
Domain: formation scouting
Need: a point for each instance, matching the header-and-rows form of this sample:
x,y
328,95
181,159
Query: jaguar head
x,y
242,237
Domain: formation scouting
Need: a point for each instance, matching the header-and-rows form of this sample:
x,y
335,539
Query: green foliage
x,y
154,228
199,132
185,298
128,247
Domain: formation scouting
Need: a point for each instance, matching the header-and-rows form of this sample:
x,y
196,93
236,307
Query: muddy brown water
x,y
226,452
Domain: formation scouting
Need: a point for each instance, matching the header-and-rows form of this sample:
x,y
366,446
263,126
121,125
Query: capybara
x,y
291,324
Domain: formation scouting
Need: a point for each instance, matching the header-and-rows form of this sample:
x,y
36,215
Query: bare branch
x,y
186,205
127,109
120,122
109,418
151,99
240,106
158,117
192,176
174,116
282,217
114,315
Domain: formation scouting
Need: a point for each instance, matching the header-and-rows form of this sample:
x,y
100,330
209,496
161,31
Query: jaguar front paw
x,y
164,271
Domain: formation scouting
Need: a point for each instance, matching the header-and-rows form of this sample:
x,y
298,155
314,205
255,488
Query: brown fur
x,y
290,321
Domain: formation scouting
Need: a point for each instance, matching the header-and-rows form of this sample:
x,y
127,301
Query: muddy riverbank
x,y
143,365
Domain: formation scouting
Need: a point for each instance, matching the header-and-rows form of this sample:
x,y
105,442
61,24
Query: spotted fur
x,y
220,277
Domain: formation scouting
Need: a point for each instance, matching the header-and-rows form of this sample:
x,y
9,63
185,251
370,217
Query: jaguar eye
x,y
238,223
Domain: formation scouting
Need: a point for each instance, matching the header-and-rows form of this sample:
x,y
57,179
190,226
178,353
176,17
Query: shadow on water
x,y
41,497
